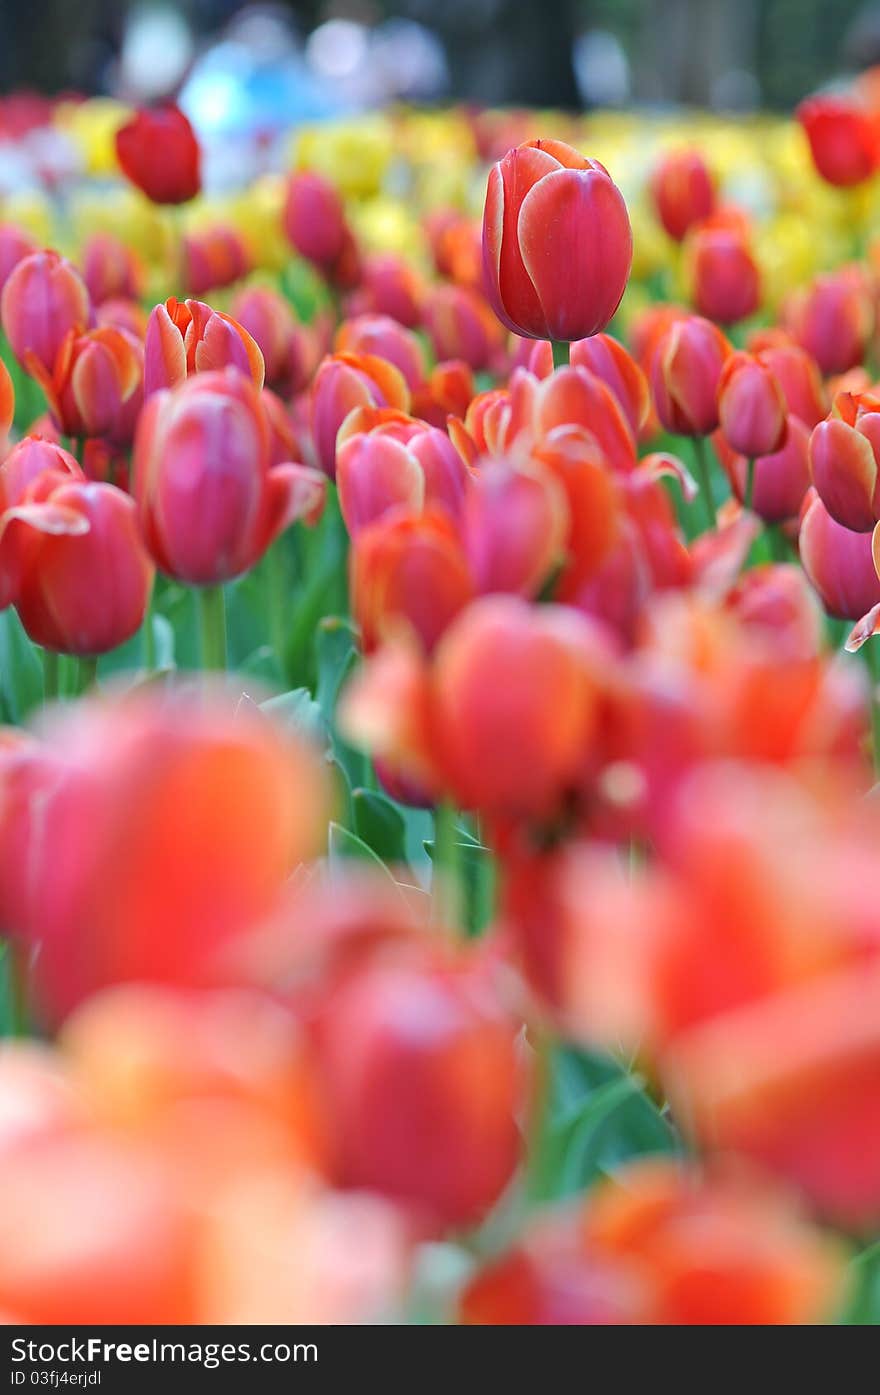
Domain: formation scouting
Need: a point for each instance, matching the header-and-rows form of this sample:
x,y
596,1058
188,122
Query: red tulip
x,y
844,460
557,242
96,386
210,498
724,274
683,191
408,570
189,337
751,406
43,300
110,269
158,151
314,219
289,349
388,285
780,480
608,359
844,138
342,383
798,376
460,325
515,522
214,258
383,337
838,563
686,371
833,319
81,574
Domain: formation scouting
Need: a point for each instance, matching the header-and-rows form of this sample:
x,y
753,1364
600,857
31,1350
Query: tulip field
x,y
439,662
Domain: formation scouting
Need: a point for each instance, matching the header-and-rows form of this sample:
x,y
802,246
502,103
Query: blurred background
x,y
234,64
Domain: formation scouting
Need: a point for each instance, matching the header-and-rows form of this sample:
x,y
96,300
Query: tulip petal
x,y
164,352
660,465
845,474
294,492
863,630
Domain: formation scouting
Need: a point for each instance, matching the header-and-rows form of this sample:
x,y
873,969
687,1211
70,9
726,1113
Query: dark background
x,y
511,51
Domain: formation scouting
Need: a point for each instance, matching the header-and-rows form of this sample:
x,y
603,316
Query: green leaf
x,y
344,846
21,669
298,711
380,824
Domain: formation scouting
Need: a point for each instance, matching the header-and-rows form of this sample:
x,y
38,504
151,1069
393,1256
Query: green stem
x,y
86,675
51,672
445,888
561,353
149,637
871,651
212,622
276,582
750,482
704,475
780,548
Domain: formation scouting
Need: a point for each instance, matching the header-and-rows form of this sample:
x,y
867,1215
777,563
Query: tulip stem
x,y
704,474
561,353
276,579
212,620
87,674
750,482
51,675
445,908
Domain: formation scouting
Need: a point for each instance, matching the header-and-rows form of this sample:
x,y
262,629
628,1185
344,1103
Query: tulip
x,y
515,522
30,457
460,325
15,245
110,269
776,600
95,388
592,500
213,259
798,376
158,151
751,407
838,563
314,219
342,383
190,337
833,319
395,463
686,371
574,396
388,285
166,828
608,359
557,242
289,349
779,480
423,1078
82,577
724,274
210,500
383,337
658,1244
7,406
844,139
43,300
682,191
844,461
408,570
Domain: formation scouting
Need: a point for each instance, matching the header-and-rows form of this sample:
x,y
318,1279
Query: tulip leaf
x,y
476,871
344,846
21,672
298,711
379,823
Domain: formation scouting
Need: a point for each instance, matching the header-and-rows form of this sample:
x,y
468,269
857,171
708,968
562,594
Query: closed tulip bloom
x,y
189,337
844,138
388,285
110,269
508,676
844,460
96,386
384,337
725,277
210,499
557,242
751,406
833,319
376,474
685,374
342,383
408,570
314,219
214,258
798,376
158,151
515,523
82,574
43,300
682,191
289,349
460,325
606,357
423,1080
838,563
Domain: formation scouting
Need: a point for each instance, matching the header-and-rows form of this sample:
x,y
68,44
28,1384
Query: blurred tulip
x,y
608,359
43,300
844,461
314,219
557,242
110,269
289,349
388,285
844,138
383,337
724,275
460,325
515,522
210,498
682,191
158,151
96,386
838,562
780,480
751,407
687,366
342,383
189,337
15,245
408,570
798,376
212,259
833,319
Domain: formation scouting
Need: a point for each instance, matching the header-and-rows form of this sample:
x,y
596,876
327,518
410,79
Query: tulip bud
x,y
190,337
686,370
838,563
158,151
408,570
82,575
212,259
289,349
798,376
460,325
110,269
96,387
388,285
210,498
314,219
383,337
682,191
751,406
342,383
515,522
724,275
557,242
844,139
833,319
423,1078
607,359
844,461
43,300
